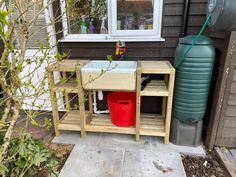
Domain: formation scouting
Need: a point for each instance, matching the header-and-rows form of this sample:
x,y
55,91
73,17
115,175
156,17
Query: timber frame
x,y
86,121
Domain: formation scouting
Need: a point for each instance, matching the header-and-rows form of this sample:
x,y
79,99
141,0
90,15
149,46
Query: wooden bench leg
x,y
82,99
169,107
53,96
67,100
138,102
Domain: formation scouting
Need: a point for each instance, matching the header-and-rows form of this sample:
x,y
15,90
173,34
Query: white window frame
x,y
115,35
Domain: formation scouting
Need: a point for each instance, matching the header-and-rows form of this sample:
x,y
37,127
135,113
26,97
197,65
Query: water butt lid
x,y
203,40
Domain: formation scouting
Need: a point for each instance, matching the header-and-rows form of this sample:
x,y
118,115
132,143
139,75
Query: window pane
x,y
87,16
134,14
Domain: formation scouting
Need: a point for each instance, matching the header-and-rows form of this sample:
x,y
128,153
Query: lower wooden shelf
x,y
151,124
70,121
102,123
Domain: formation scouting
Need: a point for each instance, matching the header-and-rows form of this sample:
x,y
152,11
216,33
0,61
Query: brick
x,y
231,111
232,100
230,122
229,132
234,75
233,87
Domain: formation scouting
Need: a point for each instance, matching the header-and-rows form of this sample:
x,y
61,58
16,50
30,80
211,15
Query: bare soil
x,y
208,166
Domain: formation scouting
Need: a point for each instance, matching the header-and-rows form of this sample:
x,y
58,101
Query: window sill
x,y
107,38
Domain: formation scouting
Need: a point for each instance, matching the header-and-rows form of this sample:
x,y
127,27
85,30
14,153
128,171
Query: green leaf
x,y
41,46
3,169
48,123
110,58
20,67
8,64
38,159
33,122
6,35
28,61
62,79
21,163
58,56
76,106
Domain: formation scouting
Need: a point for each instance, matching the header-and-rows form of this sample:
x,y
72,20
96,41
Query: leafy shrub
x,y
26,156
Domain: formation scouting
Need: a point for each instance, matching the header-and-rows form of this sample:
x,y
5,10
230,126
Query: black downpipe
x,y
185,18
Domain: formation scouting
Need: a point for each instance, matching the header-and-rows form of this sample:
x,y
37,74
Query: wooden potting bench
x,y
86,121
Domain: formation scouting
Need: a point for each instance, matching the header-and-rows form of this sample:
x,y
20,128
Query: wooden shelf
x,y
152,125
70,121
67,65
156,67
155,88
69,86
102,123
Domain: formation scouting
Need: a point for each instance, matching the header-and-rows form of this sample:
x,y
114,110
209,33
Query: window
x,y
112,20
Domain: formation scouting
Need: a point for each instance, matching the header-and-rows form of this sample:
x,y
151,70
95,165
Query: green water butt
x,y
193,78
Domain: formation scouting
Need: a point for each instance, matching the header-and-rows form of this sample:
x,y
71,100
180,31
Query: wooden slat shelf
x,y
69,86
156,67
102,123
67,65
152,125
70,121
155,88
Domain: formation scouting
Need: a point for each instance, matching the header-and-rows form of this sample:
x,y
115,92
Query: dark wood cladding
x,y
57,15
225,134
171,28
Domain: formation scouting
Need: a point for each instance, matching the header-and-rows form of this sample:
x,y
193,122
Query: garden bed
x,y
208,166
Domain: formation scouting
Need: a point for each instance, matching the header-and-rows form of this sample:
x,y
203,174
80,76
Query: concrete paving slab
x,y
92,161
125,141
95,161
152,163
157,143
69,137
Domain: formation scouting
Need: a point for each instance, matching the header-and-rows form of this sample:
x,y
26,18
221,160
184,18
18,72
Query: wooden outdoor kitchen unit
x,y
86,121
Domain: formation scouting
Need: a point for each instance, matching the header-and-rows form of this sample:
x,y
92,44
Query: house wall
x,y
220,120
171,28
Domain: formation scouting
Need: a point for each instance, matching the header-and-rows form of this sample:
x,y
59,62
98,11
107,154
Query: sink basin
x,y
103,75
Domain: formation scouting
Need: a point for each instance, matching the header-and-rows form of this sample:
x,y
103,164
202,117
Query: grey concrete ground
x,y
114,155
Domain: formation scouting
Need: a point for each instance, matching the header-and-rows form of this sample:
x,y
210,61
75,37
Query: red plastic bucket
x,y
122,106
